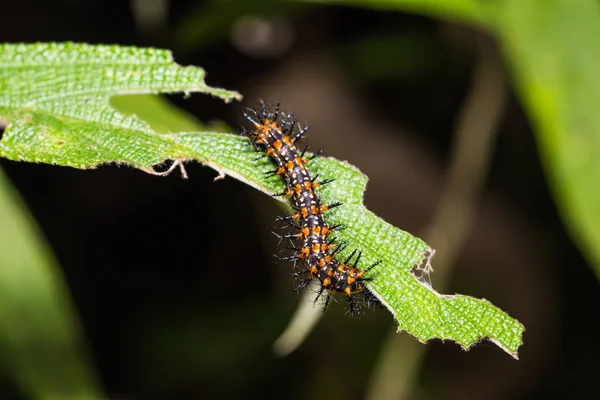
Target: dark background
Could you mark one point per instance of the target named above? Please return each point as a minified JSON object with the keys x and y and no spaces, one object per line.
{"x":174,"y":280}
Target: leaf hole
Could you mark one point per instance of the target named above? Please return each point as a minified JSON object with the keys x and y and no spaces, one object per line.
{"x":422,"y":271}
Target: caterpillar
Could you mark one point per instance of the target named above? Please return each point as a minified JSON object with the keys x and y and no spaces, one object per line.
{"x":275,"y":134}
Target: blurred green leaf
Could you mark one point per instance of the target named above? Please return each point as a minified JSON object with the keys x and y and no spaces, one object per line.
{"x":72,"y":132}
{"x":161,"y":115}
{"x":40,"y":334}
{"x":553,"y":48}
{"x":468,"y":11}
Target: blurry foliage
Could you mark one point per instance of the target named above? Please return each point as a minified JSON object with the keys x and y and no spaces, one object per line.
{"x":211,"y":22}
{"x":39,"y":332}
{"x":385,"y":56}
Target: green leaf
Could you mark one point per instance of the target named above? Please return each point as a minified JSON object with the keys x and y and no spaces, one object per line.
{"x":55,"y":98}
{"x":40,"y":335}
{"x":416,"y":306}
